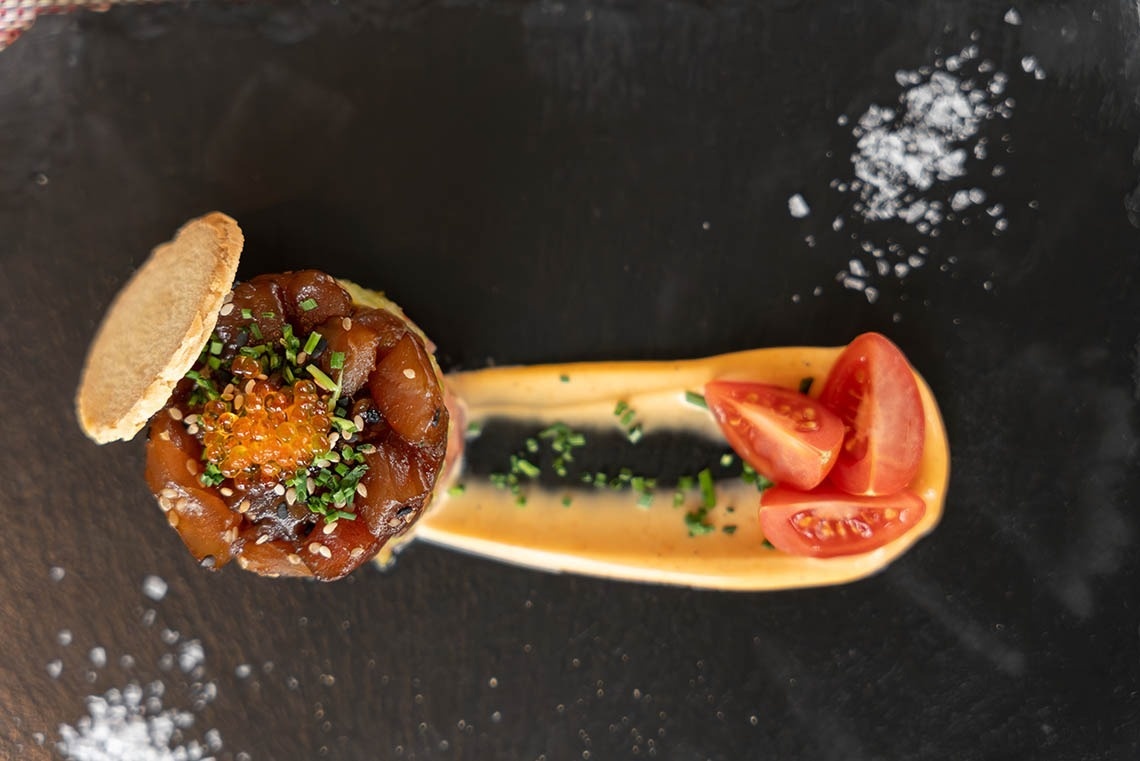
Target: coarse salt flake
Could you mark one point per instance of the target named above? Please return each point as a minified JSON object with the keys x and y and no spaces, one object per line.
{"x":798,"y":207}
{"x":154,"y":587}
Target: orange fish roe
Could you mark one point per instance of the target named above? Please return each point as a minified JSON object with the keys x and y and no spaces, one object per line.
{"x":267,"y":431}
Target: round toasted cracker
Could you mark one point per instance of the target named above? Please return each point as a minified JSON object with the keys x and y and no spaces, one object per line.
{"x":156,"y":327}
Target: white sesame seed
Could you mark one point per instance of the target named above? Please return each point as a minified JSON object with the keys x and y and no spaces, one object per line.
{"x":314,"y":547}
{"x":226,"y":491}
{"x":325,"y":552}
{"x":239,"y":402}
{"x":329,"y":527}
{"x":346,"y":323}
{"x":356,"y":552}
{"x":249,"y":386}
{"x":172,"y":518}
{"x":174,"y":412}
{"x":293,"y":558}
{"x":291,"y":496}
{"x":362,"y":490}
{"x":409,"y":373}
{"x":302,"y":358}
{"x":243,"y":506}
{"x":192,"y":467}
{"x":358,"y":421}
{"x":262,"y":539}
{"x":192,"y":429}
{"x":243,"y":562}
{"x":279,"y":490}
{"x":226,"y":308}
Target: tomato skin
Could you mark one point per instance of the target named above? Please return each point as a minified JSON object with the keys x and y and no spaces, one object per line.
{"x":873,"y":390}
{"x":827,"y":522}
{"x":785,"y":435}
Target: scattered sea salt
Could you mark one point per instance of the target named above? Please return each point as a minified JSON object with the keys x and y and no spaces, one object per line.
{"x":908,"y":173}
{"x":98,"y":657}
{"x":1030,"y":65}
{"x":56,"y":573}
{"x":190,"y":655}
{"x":55,"y":668}
{"x":154,"y":587}
{"x":64,"y":637}
{"x":1012,"y":17}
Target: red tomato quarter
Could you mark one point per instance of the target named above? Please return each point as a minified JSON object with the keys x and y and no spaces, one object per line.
{"x":826,"y":522}
{"x":874,"y":392}
{"x":785,"y":435}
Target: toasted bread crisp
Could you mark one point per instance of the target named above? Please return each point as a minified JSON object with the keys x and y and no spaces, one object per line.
{"x":156,"y":327}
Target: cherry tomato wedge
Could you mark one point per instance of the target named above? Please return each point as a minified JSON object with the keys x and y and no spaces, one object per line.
{"x":785,"y":435}
{"x":827,"y":522}
{"x":873,"y":390}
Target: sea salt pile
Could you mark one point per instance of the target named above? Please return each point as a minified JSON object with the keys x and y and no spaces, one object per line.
{"x":132,"y":723}
{"x":920,"y":163}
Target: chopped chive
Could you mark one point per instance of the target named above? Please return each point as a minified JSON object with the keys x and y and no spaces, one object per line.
{"x":268,"y":315}
{"x":628,"y":417}
{"x":620,"y":408}
{"x":729,"y":529}
{"x":311,"y":342}
{"x":342,"y":515}
{"x":637,"y":483}
{"x":215,"y":347}
{"x":456,"y":490}
{"x":708,"y":490}
{"x":695,"y":399}
{"x":247,"y":314}
{"x":520,"y":500}
{"x":767,"y":544}
{"x":309,"y":304}
{"x":255,"y":331}
{"x":697,"y":525}
{"x":564,"y":378}
{"x":322,"y":380}
{"x":474,"y":428}
{"x":527,"y":468}
{"x":685,"y":482}
{"x":532,"y":445}
{"x":645,"y":499}
{"x":635,"y":434}
{"x":805,"y":384}
{"x":336,"y":360}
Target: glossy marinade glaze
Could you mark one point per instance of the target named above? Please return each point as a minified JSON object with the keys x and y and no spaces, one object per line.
{"x":311,"y":431}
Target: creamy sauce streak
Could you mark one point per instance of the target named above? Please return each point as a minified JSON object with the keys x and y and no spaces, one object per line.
{"x":606,"y":533}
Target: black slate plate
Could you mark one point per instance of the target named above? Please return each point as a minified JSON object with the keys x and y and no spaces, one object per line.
{"x":562,"y":181}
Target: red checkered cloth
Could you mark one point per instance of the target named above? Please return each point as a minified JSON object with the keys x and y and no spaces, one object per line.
{"x":16,"y":16}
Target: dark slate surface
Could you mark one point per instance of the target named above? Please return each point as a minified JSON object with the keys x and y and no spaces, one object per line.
{"x":531,"y":182}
